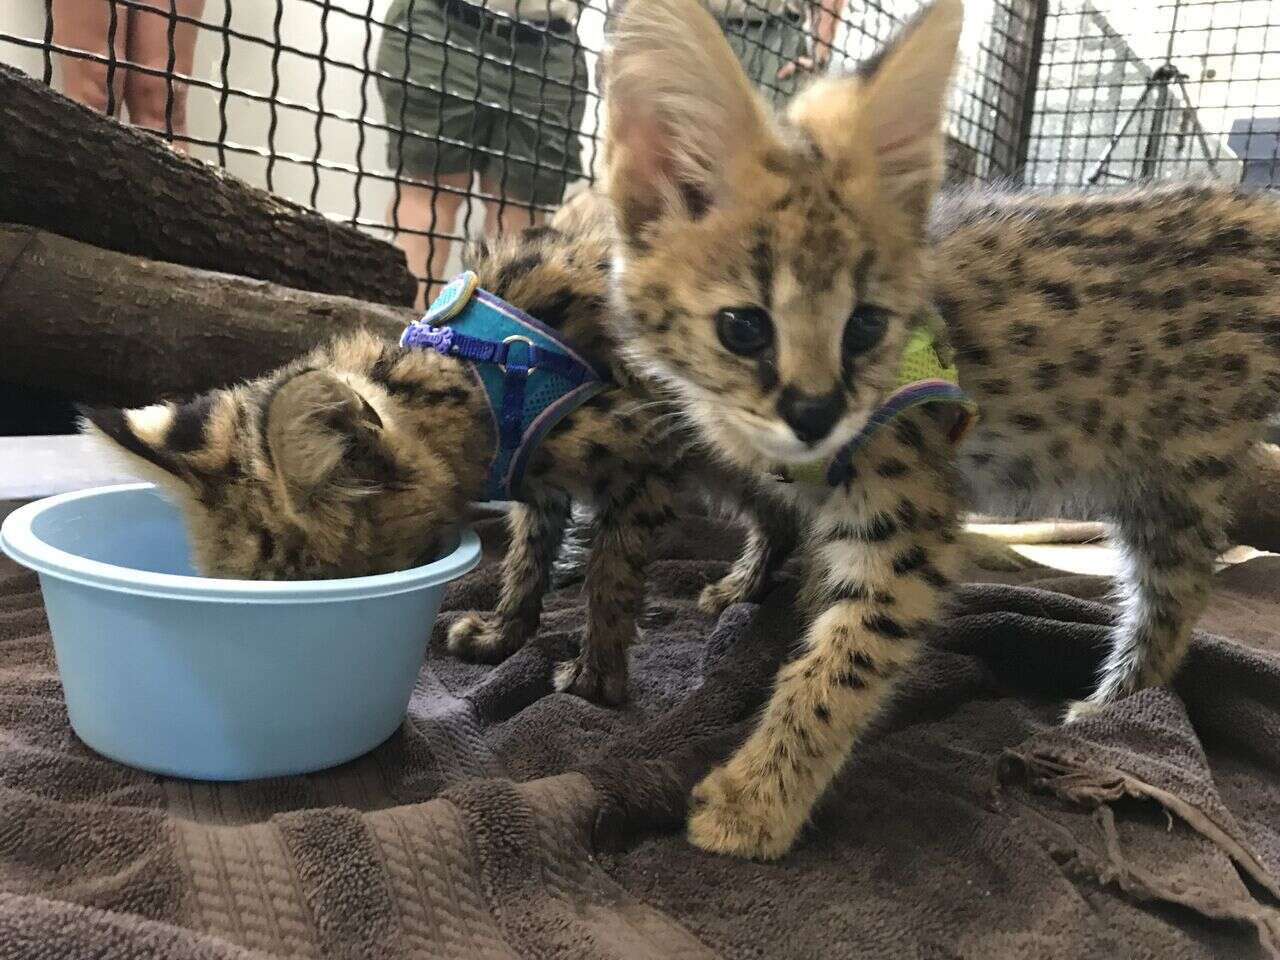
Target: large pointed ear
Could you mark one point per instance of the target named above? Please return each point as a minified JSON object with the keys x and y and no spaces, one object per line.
{"x":325,"y":440}
{"x":681,"y":114}
{"x":888,"y":117}
{"x":154,"y":442}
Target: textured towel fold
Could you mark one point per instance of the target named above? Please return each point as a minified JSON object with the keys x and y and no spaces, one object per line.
{"x":506,"y":821}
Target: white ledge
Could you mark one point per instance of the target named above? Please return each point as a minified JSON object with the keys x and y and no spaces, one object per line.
{"x":32,"y":467}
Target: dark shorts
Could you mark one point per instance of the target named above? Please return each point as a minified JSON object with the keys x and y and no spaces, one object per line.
{"x":764,"y":47}
{"x":456,"y":106}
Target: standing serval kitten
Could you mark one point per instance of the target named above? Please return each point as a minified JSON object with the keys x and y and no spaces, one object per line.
{"x":353,"y":460}
{"x":1124,"y":351}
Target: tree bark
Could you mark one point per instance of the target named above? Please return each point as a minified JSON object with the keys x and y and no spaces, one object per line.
{"x":107,"y":327}
{"x":72,"y":171}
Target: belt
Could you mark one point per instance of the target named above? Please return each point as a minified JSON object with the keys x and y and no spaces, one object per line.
{"x":503,"y":27}
{"x":737,"y":23}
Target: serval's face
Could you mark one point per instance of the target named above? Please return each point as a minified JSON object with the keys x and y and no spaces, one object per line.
{"x":769,"y":266}
{"x":319,"y":470}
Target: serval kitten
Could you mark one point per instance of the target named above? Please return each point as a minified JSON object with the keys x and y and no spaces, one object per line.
{"x":354,"y":460}
{"x":1124,"y":351}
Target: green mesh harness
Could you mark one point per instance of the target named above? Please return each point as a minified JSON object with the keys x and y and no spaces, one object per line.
{"x":926,"y":374}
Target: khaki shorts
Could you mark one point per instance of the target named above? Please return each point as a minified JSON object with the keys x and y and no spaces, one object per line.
{"x":764,"y":47}
{"x":464,"y":110}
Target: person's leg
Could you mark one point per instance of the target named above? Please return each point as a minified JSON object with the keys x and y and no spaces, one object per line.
{"x":506,"y":215}
{"x":424,"y":218}
{"x":86,"y":25}
{"x":537,"y":138}
{"x":430,"y":97}
{"x":147,"y":94}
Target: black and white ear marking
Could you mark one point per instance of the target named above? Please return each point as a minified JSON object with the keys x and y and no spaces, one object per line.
{"x":141,"y":432}
{"x":162,"y":436}
{"x":187,"y":430}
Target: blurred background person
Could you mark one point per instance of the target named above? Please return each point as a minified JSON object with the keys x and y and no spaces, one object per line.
{"x":141,"y":37}
{"x":497,"y":91}
{"x":778,"y":42}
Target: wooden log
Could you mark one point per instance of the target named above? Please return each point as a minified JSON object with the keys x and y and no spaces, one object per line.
{"x":75,"y":172}
{"x":106,"y":327}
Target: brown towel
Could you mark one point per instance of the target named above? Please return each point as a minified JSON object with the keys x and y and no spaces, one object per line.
{"x":505,"y":821}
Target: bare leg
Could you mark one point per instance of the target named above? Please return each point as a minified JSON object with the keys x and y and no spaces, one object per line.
{"x":425,"y":210}
{"x":506,"y":217}
{"x":148,"y":94}
{"x":86,"y":25}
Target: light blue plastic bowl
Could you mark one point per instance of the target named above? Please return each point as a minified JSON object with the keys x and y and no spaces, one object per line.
{"x":219,"y":679}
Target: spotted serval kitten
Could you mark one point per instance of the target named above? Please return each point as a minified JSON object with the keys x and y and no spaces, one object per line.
{"x":1124,"y":351}
{"x":354,"y":459}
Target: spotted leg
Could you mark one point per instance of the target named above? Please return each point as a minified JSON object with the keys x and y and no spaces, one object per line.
{"x":536,"y":530}
{"x":771,"y":538}
{"x":1168,"y":541}
{"x":882,"y":553}
{"x":619,"y":552}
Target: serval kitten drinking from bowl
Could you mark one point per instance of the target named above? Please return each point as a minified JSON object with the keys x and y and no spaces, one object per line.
{"x":783,"y":274}
{"x":354,"y":460}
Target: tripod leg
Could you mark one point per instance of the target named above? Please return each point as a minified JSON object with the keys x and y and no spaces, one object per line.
{"x":1209,"y":157}
{"x":1151,"y":156}
{"x":1116,"y":137}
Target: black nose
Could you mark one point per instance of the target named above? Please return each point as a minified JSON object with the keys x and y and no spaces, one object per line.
{"x":810,"y":417}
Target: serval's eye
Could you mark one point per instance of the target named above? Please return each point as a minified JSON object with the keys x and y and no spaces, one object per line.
{"x":864,"y":329}
{"x":745,"y":331}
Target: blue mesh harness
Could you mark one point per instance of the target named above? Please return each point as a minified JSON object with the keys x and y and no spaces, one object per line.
{"x":531,"y":377}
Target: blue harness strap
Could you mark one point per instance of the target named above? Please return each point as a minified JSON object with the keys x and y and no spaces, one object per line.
{"x":531,"y":377}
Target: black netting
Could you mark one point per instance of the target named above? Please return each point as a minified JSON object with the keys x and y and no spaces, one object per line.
{"x":428,"y":120}
{"x":1159,"y":90}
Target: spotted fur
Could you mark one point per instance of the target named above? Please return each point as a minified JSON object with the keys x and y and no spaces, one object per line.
{"x":1124,"y":350}
{"x":355,"y":459}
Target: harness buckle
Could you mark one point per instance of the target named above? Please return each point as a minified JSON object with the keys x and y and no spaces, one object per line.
{"x":516,"y":338}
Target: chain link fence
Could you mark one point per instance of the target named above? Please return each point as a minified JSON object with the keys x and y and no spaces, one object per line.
{"x":425,"y":121}
{"x":1161,"y":90}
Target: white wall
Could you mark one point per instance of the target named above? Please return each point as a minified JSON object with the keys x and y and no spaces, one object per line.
{"x":22,"y":18}
{"x":1213,"y":44}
